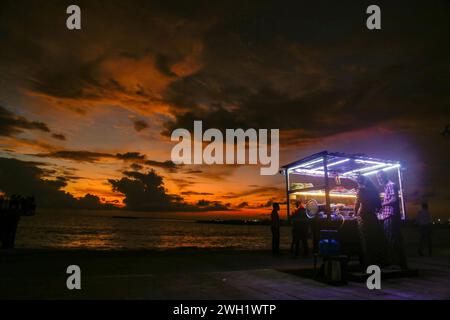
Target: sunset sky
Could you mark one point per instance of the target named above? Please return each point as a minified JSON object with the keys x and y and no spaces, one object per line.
{"x":88,"y":113}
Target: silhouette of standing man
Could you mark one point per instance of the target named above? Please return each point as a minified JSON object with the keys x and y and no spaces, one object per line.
{"x":299,"y":230}
{"x":425,"y":224}
{"x":275,"y":227}
{"x":9,"y":220}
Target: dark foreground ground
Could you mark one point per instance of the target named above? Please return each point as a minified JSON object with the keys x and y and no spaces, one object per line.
{"x":198,"y":274}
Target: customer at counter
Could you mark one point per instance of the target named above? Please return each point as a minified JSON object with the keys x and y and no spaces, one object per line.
{"x":373,"y":242}
{"x":390,"y":216}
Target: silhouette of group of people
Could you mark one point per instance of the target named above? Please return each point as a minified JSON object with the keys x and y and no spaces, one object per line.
{"x":17,"y":203}
{"x":378,"y":221}
{"x":11,"y":209}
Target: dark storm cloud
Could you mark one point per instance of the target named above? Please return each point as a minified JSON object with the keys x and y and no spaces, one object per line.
{"x":194,"y":193}
{"x":142,"y":159}
{"x":70,"y":178}
{"x":163,"y":65}
{"x":27,"y":179}
{"x":143,"y":191}
{"x":136,"y":167}
{"x":59,"y":136}
{"x":340,"y":108}
{"x":268,"y":203}
{"x":76,"y":155}
{"x":194,"y":171}
{"x":130,"y":156}
{"x":168,"y":164}
{"x":211,"y":205}
{"x":76,"y":66}
{"x":90,"y":156}
{"x":183,"y":182}
{"x":146,"y":192}
{"x":214,"y":173}
{"x":245,"y":204}
{"x":262,"y":191}
{"x":139,"y":124}
{"x":300,"y":53}
{"x":12,"y":124}
{"x":316,"y":64}
{"x":274,"y":66}
{"x":242,"y":205}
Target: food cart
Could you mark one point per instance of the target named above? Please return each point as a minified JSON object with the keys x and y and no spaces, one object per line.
{"x":325,"y":182}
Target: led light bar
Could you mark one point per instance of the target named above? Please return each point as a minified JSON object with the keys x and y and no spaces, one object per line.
{"x":319,"y":171}
{"x":370,"y":161}
{"x":322,"y":194}
{"x":310,"y":172}
{"x":384,"y":169}
{"x":332,"y":164}
{"x":360,"y":170}
{"x":303,"y":165}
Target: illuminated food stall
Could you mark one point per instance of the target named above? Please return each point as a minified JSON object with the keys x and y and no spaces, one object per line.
{"x":325,"y":182}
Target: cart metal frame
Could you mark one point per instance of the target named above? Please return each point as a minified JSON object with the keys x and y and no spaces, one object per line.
{"x":348,"y":166}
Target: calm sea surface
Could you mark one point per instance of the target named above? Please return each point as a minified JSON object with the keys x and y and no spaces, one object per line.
{"x":120,"y":230}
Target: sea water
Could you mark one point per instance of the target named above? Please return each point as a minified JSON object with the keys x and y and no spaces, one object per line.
{"x":122,"y":230}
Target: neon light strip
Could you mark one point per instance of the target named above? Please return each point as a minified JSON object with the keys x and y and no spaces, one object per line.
{"x":385,"y":169}
{"x":311,"y":172}
{"x":321,"y":193}
{"x":371,"y":170}
{"x":308,"y":163}
{"x":370,"y":162}
{"x":332,"y":164}
{"x":378,"y":166}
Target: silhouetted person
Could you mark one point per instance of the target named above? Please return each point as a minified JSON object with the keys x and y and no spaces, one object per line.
{"x":9,"y":219}
{"x":11,"y":209}
{"x":299,"y":222}
{"x":390,"y":215}
{"x":275,"y":227}
{"x":425,"y":224}
{"x":373,"y":242}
